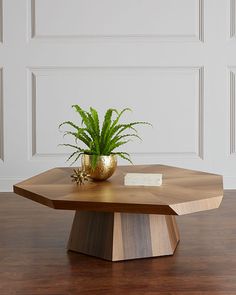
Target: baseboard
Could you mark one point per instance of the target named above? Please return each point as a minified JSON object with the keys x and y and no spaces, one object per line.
{"x":6,"y":184}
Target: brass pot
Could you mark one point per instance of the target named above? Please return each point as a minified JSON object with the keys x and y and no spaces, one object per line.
{"x":106,"y":166}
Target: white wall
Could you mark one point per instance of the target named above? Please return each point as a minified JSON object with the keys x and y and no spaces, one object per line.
{"x":173,"y":62}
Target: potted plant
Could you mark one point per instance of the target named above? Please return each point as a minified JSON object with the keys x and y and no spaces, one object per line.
{"x":99,"y":156}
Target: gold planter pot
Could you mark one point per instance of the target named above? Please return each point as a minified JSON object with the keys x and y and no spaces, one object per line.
{"x":106,"y":166}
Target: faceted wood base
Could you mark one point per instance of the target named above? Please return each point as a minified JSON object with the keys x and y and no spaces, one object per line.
{"x":120,"y":236}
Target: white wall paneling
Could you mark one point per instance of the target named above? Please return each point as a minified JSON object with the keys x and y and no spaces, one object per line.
{"x":160,"y":19}
{"x":1,"y":21}
{"x":173,"y":62}
{"x":230,"y":157}
{"x":1,"y":118}
{"x":232,"y":18}
{"x":120,"y":87}
{"x":232,"y":112}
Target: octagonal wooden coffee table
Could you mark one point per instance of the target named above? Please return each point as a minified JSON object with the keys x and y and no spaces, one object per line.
{"x":118,"y":222}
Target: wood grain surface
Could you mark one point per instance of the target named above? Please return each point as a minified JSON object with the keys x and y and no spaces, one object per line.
{"x":92,"y":234}
{"x":123,"y":236}
{"x":183,"y":191}
{"x":33,"y":260}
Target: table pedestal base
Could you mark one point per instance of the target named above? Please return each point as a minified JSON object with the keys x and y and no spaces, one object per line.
{"x":120,"y":236}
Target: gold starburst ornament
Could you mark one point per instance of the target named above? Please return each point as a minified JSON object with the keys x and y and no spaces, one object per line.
{"x":80,"y":176}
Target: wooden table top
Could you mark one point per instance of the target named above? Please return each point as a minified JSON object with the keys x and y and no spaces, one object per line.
{"x":183,"y":191}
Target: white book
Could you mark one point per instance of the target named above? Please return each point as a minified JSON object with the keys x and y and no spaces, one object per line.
{"x":145,"y":179}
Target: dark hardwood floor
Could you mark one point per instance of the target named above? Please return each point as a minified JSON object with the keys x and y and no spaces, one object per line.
{"x":33,"y":259}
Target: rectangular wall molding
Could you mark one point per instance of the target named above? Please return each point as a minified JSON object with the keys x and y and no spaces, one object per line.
{"x":201,"y":113}
{"x":232,"y":19}
{"x":35,"y":75}
{"x":83,"y":27}
{"x":201,"y":21}
{"x":1,"y":21}
{"x":1,"y":117}
{"x":232,"y":113}
{"x":171,"y":61}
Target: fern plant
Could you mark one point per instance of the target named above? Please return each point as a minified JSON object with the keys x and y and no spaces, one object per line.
{"x":100,"y":140}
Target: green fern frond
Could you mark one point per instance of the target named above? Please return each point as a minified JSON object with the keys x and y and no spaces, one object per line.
{"x":71,"y":156}
{"x":80,"y":137}
{"x":130,"y":126}
{"x":76,"y":159}
{"x":119,"y":116}
{"x":71,"y":145}
{"x":124,"y":156}
{"x":100,"y":140}
{"x":70,"y":124}
{"x":95,"y":117}
{"x":106,"y":126}
{"x":116,"y":145}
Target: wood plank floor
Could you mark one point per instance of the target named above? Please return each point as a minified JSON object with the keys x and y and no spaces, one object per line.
{"x":33,"y":259}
